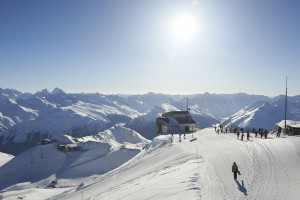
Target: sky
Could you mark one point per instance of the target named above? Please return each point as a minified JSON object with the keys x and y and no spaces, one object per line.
{"x":162,"y":46}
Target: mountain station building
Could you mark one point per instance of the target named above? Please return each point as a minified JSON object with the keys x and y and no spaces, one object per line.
{"x":174,"y":122}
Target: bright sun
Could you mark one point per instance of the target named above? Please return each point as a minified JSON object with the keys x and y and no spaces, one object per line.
{"x":184,"y":28}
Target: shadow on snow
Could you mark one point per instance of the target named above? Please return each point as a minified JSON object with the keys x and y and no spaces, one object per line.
{"x":241,"y":187}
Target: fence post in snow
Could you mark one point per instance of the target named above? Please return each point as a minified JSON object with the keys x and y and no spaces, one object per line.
{"x":42,"y":155}
{"x":197,"y":153}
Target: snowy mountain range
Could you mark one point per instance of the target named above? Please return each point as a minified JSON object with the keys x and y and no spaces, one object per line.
{"x":26,"y":119}
{"x":115,"y":160}
{"x":265,"y":114}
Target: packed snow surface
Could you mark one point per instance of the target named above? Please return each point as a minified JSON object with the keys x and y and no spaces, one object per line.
{"x":169,"y":169}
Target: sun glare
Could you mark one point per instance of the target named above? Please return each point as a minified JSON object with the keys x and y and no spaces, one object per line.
{"x":184,"y":28}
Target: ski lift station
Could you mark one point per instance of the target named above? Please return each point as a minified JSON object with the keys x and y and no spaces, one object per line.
{"x":175,"y":121}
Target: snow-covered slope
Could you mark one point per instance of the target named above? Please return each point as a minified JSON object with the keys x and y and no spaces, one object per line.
{"x":6,"y":94}
{"x":28,"y":134}
{"x":223,"y":105}
{"x":4,"y":158}
{"x":102,"y":111}
{"x":17,"y":113}
{"x":168,"y":169}
{"x":266,"y":114}
{"x":96,"y":155}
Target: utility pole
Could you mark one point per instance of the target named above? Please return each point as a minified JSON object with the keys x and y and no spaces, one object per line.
{"x":31,"y":156}
{"x":285,"y":112}
{"x":42,"y":155}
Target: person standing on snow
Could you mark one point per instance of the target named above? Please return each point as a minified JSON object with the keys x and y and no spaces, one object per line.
{"x":278,"y":132}
{"x":235,"y":170}
{"x":248,"y":135}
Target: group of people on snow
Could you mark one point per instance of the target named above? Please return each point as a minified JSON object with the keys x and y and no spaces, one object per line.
{"x":221,"y":129}
{"x":262,"y":132}
{"x":240,"y":132}
{"x":242,"y":135}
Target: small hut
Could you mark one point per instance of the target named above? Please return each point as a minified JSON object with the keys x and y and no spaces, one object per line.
{"x":68,"y":147}
{"x":46,"y":141}
{"x":293,"y":127}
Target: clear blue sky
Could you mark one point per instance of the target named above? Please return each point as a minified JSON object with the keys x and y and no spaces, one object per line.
{"x":129,"y":46}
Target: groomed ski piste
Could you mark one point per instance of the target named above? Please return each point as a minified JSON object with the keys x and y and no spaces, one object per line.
{"x":164,"y":169}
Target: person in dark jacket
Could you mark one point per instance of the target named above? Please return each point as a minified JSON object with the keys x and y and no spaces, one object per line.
{"x":235,"y":170}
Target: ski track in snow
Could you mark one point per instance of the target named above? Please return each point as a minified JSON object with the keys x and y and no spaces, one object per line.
{"x":144,"y":181}
{"x":268,"y":169}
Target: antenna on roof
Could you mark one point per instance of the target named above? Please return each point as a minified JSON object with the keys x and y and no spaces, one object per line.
{"x":187,"y":103}
{"x":285,"y":112}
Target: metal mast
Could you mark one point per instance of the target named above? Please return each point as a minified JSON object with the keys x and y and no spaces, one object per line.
{"x":285,"y":111}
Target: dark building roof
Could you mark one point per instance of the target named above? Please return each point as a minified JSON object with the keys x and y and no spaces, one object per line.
{"x":186,"y":120}
{"x":176,"y":112}
{"x":164,"y":119}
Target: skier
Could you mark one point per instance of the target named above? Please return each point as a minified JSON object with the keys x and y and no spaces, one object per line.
{"x":248,"y":135}
{"x":235,"y":170}
{"x":242,"y":130}
{"x":278,"y":132}
{"x":242,"y":136}
{"x":238,"y":134}
{"x":266,"y":133}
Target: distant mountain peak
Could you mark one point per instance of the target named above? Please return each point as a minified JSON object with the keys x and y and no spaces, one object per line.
{"x":43,"y":92}
{"x":10,"y":92}
{"x":57,"y":91}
